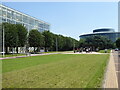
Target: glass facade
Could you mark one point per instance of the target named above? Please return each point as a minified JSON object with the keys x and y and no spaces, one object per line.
{"x":110,"y":35}
{"x":15,"y":17}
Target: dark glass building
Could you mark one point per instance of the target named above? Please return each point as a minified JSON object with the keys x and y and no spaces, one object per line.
{"x":107,"y":32}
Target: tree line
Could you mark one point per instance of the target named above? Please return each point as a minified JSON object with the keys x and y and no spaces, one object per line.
{"x":96,"y":42}
{"x":16,"y":35}
{"x":118,"y":43}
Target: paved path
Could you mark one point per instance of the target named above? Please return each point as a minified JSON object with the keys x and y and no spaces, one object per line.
{"x":50,"y":54}
{"x":28,"y":55}
{"x":111,"y":80}
{"x":116,"y":55}
{"x":83,"y":53}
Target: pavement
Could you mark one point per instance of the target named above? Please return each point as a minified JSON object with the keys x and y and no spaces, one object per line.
{"x":28,"y":55}
{"x":50,"y":54}
{"x":111,"y":76}
{"x":116,"y":55}
{"x":83,"y":53}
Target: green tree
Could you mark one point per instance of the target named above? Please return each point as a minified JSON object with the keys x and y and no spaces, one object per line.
{"x":118,"y":42}
{"x":81,"y":42}
{"x":35,"y":39}
{"x":96,"y":41}
{"x":11,"y":36}
{"x":60,"y":40}
{"x":54,"y":42}
{"x":48,"y":40}
{"x":22,"y":35}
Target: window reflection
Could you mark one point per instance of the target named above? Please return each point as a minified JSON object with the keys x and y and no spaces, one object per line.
{"x":15,"y":17}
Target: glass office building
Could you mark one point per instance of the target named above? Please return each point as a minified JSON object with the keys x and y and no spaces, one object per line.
{"x":106,"y":32}
{"x":16,"y":17}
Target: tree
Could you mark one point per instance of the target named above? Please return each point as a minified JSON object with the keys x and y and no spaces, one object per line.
{"x":54,"y":42}
{"x":35,"y":39}
{"x":63,"y":43}
{"x":81,"y":42}
{"x":48,"y":40}
{"x":95,"y":42}
{"x":11,"y":36}
{"x":118,"y":42}
{"x":60,"y":40}
{"x":22,"y":35}
{"x":69,"y":43}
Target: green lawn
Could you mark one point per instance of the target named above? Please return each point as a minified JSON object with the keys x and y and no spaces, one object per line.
{"x":103,"y":51}
{"x":54,"y":71}
{"x":58,"y":52}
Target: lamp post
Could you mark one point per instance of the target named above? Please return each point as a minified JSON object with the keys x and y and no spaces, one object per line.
{"x":3,"y":42}
{"x":56,"y":45}
{"x":74,"y":46}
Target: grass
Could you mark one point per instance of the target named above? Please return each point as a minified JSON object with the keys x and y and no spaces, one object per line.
{"x":13,"y":55}
{"x":103,"y":51}
{"x":52,"y":52}
{"x":54,"y":71}
{"x":57,"y":51}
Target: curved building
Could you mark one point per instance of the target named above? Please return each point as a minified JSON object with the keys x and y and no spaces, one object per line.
{"x":107,"y":32}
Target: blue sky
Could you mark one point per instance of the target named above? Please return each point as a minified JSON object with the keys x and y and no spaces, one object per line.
{"x":71,"y":18}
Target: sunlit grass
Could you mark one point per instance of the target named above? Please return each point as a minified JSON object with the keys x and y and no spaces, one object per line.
{"x":54,"y":71}
{"x":103,"y":51}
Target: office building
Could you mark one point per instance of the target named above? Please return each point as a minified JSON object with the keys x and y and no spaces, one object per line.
{"x":16,"y":17}
{"x":13,"y":16}
{"x":106,"y":32}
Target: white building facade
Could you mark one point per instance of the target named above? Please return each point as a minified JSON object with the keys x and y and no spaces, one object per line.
{"x":16,"y":17}
{"x":13,"y":16}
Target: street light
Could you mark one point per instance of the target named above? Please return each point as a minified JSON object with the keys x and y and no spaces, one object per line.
{"x":3,"y":42}
{"x":56,"y":45}
{"x":74,"y":46}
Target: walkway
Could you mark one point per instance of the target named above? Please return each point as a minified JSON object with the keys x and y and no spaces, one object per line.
{"x":110,"y":80}
{"x":69,"y":52}
{"x":28,"y":55}
{"x":83,"y":53}
{"x":116,"y":55}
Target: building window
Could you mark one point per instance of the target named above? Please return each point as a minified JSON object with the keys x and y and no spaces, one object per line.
{"x":13,"y":22}
{"x":9,"y":14}
{"x":0,"y":20}
{"x":25,"y":19}
{"x":36,"y":23}
{"x":4,"y":12}
{"x":18,"y":17}
{"x":31,"y":21}
{"x":13,"y":15}
{"x":3,"y":19}
{"x":18,"y":23}
{"x":41,"y":25}
{"x":0,"y":11}
{"x":9,"y":21}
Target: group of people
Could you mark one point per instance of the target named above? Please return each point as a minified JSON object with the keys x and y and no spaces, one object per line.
{"x":80,"y":50}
